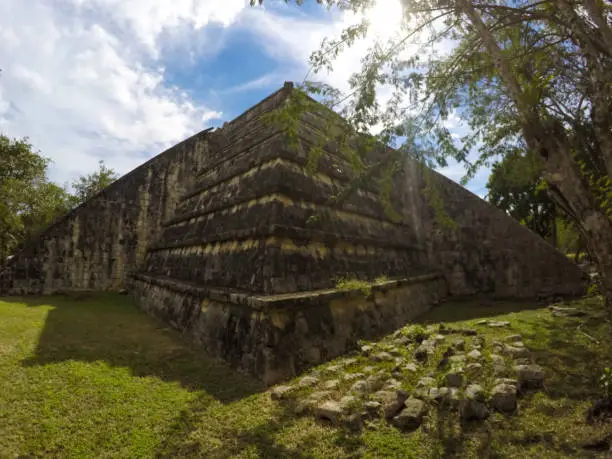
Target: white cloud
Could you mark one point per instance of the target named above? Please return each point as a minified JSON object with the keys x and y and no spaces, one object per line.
{"x":147,"y":19}
{"x":81,"y":92}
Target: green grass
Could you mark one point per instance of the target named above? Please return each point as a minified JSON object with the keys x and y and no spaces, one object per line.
{"x":92,"y":376}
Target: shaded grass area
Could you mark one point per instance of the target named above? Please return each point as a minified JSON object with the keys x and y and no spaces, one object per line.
{"x":92,"y":376}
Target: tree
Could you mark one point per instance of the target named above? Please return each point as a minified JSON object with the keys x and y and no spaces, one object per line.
{"x":515,"y":186}
{"x":28,"y":201}
{"x":522,"y":72}
{"x":86,"y":186}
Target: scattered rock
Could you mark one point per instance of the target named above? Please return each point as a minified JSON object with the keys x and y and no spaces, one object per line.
{"x":329,"y":411}
{"x":423,"y":352}
{"x":482,"y":322}
{"x":458,"y":359}
{"x":360,"y":387}
{"x":474,"y":369}
{"x":402,"y":341}
{"x":372,"y":407}
{"x":348,"y":403}
{"x":411,"y":367}
{"x":503,"y":398}
{"x":459,"y":345}
{"x":499,"y":324}
{"x":423,"y":386}
{"x":376,"y":381}
{"x":510,"y":381}
{"x":369,"y":369}
{"x":458,"y":331}
{"x":392,"y":401}
{"x":353,"y":421}
{"x":513,"y":338}
{"x":454,"y":379}
{"x":332,"y":384}
{"x":475,"y":392}
{"x":437,"y":394}
{"x":353,"y":376}
{"x":311,"y":401}
{"x":474,"y":355}
{"x":530,"y":376}
{"x":382,"y":357}
{"x":426,"y":381}
{"x":280,"y":392}
{"x":411,"y":417}
{"x":473,"y":407}
{"x":319,"y":395}
{"x":436,"y":339}
{"x":566,"y":312}
{"x":479,"y":340}
{"x":516,"y":351}
{"x":308,"y":381}
{"x":395,"y":352}
{"x":332,"y":368}
{"x":347,"y":362}
{"x":367,"y":349}
{"x":392,"y":384}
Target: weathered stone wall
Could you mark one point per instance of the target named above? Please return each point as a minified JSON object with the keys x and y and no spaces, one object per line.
{"x":278,"y":337}
{"x":100,"y":243}
{"x":486,"y":252}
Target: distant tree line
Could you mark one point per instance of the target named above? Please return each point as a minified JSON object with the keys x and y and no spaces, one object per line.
{"x":516,"y":186}
{"x":29,"y":201}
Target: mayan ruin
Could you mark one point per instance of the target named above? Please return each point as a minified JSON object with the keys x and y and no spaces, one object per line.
{"x":213,"y":236}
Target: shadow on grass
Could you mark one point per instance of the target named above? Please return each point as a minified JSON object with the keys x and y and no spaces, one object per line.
{"x":577,"y":357}
{"x":110,"y":328}
{"x":457,"y":310}
{"x":259,"y":438}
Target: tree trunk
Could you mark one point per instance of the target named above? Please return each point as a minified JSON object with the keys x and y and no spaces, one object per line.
{"x":575,"y":197}
{"x":560,"y":170}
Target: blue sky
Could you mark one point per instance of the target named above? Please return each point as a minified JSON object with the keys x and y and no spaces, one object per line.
{"x":121,"y":80}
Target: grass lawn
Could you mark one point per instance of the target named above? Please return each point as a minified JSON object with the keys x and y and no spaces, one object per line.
{"x":92,"y":376}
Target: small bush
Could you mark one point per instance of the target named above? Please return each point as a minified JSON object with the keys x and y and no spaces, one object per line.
{"x":354,"y":284}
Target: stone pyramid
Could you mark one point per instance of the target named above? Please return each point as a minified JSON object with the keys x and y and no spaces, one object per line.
{"x":231,"y":239}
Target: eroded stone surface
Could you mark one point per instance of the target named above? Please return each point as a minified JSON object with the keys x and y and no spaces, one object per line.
{"x":332,"y":384}
{"x":530,"y":376}
{"x":281,"y":392}
{"x":308,"y":381}
{"x":411,"y":417}
{"x":329,"y":411}
{"x":391,"y":401}
{"x":454,"y":378}
{"x":503,"y":398}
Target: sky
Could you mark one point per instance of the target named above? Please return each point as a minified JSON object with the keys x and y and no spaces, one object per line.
{"x":122,"y":80}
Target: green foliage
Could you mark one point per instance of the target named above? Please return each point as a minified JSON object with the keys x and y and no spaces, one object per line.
{"x":516,"y":187}
{"x":354,"y":284}
{"x":87,"y":186}
{"x":28,"y":201}
{"x":524,"y":76}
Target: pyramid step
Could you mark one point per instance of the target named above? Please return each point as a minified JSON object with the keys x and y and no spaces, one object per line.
{"x":276,"y":337}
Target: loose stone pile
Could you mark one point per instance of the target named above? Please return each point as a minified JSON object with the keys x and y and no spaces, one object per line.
{"x":404,"y":377}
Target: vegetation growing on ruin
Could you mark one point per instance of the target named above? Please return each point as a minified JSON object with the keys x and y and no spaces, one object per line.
{"x":520,"y":76}
{"x":91,"y":376}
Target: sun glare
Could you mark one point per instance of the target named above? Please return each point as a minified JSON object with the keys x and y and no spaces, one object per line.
{"x":385,"y":18}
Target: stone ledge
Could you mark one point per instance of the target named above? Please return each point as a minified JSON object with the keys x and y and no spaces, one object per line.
{"x":283,"y":300}
{"x":277,"y":337}
{"x":300,"y":234}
